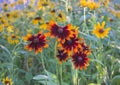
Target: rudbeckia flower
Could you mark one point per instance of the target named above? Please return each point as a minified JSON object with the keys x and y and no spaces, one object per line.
{"x":35,"y":42}
{"x":80,"y":60}
{"x":37,"y":20}
{"x":62,"y":56}
{"x":13,"y":39}
{"x":7,"y":81}
{"x":71,"y":45}
{"x":93,"y":5}
{"x":61,"y":33}
{"x":99,"y":30}
{"x":84,"y":3}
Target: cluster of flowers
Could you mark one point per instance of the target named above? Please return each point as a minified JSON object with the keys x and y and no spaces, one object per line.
{"x":69,"y":44}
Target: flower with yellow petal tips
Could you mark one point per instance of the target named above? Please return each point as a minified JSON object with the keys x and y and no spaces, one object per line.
{"x":13,"y":39}
{"x":7,"y":81}
{"x":83,"y":3}
{"x":99,"y":30}
{"x":93,"y":5}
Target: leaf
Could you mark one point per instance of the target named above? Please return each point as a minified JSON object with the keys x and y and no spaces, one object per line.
{"x":41,"y":77}
{"x":28,"y":76}
{"x":116,"y":80}
{"x":93,"y":84}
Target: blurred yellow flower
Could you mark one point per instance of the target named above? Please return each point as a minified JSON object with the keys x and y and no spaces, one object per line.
{"x":99,"y":30}
{"x":84,"y":3}
{"x":13,"y":39}
{"x":93,"y":5}
{"x":37,"y":20}
{"x":1,"y":28}
{"x":7,"y":81}
{"x":61,"y":17}
{"x":10,"y":29}
{"x":42,"y":4}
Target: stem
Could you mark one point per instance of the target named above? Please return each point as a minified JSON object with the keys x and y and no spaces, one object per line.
{"x":43,"y":64}
{"x":84,"y":15}
{"x":61,"y":74}
{"x":55,"y":53}
{"x":74,"y":75}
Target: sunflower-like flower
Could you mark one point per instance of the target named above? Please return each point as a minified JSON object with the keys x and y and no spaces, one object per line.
{"x":61,"y":33}
{"x":7,"y":81}
{"x":36,"y":42}
{"x":71,"y":45}
{"x":42,"y":4}
{"x":80,"y":60}
{"x":85,"y":48}
{"x":62,"y":56}
{"x":99,"y":30}
{"x":13,"y":39}
{"x":37,"y":20}
{"x":93,"y":5}
{"x":84,"y":3}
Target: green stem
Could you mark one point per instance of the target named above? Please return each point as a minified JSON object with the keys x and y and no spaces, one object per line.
{"x":61,"y":74}
{"x":55,"y":53}
{"x":74,"y":75}
{"x":43,"y":64}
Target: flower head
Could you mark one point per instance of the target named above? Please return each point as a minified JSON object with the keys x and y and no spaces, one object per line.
{"x":36,"y":42}
{"x":61,"y":33}
{"x":13,"y":39}
{"x":93,"y":5}
{"x":7,"y":81}
{"x":71,"y":45}
{"x":62,"y":55}
{"x":84,"y":3}
{"x":80,"y":60}
{"x":99,"y":30}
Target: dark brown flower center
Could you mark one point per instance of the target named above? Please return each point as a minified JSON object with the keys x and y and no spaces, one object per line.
{"x":69,"y":42}
{"x":60,"y":30}
{"x":7,"y":82}
{"x":13,"y":36}
{"x":36,"y":40}
{"x":60,"y":15}
{"x":80,"y":59}
{"x":101,"y":31}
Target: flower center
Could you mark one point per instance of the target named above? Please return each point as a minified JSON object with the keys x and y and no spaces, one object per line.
{"x":101,"y":31}
{"x":80,"y":59}
{"x":69,"y":42}
{"x":36,"y":40}
{"x":60,"y":30}
{"x":13,"y":36}
{"x":60,"y":15}
{"x":7,"y":83}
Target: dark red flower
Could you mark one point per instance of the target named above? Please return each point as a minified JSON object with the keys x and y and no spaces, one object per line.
{"x":62,"y":55}
{"x":72,"y":44}
{"x":80,"y":60}
{"x":85,"y":48}
{"x":36,"y":42}
{"x":61,"y":33}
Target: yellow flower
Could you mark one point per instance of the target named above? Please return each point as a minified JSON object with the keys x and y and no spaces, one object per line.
{"x":10,"y":29}
{"x":42,"y":4}
{"x":99,"y":30}
{"x":7,"y":81}
{"x":13,"y":39}
{"x":5,"y":7}
{"x":83,"y":3}
{"x":61,"y":17}
{"x":44,"y":26}
{"x":37,"y":20}
{"x":93,"y":5}
{"x":1,"y":28}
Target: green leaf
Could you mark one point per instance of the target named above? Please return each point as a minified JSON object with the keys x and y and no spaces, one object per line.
{"x":93,"y":84}
{"x":41,"y":77}
{"x":28,"y":76}
{"x":116,"y":80}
